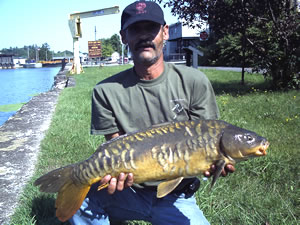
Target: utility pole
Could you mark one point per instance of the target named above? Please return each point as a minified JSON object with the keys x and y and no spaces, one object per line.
{"x":37,"y":55}
{"x":75,"y":28}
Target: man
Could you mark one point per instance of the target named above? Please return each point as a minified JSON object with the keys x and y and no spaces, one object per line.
{"x":151,"y":92}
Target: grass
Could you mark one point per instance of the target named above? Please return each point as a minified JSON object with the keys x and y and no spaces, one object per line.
{"x":261,"y":191}
{"x":11,"y":107}
{"x":14,"y":107}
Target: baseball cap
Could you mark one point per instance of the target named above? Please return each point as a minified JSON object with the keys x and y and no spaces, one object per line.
{"x":142,"y":11}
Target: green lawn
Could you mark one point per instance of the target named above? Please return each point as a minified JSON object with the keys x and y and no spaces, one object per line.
{"x":262,"y":191}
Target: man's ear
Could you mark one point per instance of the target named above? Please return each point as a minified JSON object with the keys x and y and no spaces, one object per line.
{"x":166,"y":32}
{"x":123,"y":36}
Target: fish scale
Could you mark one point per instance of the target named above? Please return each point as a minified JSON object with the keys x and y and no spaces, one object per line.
{"x":167,"y":152}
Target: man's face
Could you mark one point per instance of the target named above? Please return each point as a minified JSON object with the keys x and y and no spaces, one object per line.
{"x":145,"y":40}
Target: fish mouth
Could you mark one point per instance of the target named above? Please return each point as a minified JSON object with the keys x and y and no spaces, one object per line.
{"x":262,"y":149}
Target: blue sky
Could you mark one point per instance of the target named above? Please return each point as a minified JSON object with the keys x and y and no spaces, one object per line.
{"x":28,"y":22}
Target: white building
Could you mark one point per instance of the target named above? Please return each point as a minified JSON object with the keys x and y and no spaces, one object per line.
{"x":115,"y":57}
{"x":19,"y":62}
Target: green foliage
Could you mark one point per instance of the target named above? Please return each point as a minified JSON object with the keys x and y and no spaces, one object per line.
{"x":65,"y":53}
{"x":44,"y":52}
{"x":271,"y":33}
{"x":116,"y":43}
{"x":110,"y":45}
{"x":30,"y":52}
{"x":106,"y":48}
{"x":261,"y":191}
{"x":262,"y":34}
{"x":230,"y":50}
{"x":274,"y":44}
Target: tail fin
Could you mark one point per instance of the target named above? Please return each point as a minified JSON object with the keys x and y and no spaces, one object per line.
{"x":69,"y":199}
{"x":70,"y":195}
{"x":54,"y":180}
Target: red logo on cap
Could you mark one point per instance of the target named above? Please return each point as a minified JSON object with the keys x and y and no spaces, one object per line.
{"x":140,"y":8}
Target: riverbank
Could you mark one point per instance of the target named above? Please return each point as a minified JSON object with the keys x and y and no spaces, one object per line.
{"x":18,"y":86}
{"x":20,"y":139}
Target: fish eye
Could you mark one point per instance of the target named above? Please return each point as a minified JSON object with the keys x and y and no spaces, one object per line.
{"x":249,"y":138}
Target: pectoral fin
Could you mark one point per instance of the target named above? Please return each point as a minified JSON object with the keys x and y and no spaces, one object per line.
{"x":166,"y":187}
{"x":102,"y":186}
{"x":219,"y":167}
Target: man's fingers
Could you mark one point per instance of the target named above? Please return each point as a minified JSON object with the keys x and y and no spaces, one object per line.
{"x":129,"y":180}
{"x":112,"y":185}
{"x":105,"y":179}
{"x":121,"y":180}
{"x":206,"y":174}
{"x":116,"y":184}
{"x":211,"y":171}
{"x":229,"y":168}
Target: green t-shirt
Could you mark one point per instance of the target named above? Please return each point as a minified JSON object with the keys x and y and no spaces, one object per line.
{"x":127,"y":104}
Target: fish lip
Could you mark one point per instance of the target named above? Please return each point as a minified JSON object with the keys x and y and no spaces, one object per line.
{"x":262,"y":150}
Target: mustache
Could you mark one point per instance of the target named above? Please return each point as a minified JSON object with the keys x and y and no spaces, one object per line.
{"x":143,"y":44}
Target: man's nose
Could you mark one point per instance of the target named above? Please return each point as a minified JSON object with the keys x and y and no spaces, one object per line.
{"x":145,"y":35}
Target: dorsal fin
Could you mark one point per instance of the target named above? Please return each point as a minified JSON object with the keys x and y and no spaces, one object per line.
{"x":161,"y":124}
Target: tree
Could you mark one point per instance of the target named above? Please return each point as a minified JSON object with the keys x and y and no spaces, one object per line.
{"x":110,"y":45}
{"x":30,"y":52}
{"x":116,"y":43}
{"x":65,"y":53}
{"x":44,"y":52}
{"x":267,"y":31}
{"x":106,"y":48}
{"x":274,"y":41}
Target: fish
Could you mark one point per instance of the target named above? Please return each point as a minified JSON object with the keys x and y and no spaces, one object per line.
{"x":166,"y":153}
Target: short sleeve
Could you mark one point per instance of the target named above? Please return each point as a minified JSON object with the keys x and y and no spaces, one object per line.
{"x":203,"y":101}
{"x":103,"y":120}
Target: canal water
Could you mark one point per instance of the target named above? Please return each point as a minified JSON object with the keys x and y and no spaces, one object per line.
{"x":20,"y":85}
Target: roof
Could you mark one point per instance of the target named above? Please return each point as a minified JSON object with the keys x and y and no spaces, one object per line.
{"x":6,"y":55}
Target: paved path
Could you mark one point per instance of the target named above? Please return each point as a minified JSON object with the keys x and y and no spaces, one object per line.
{"x":20,"y":139}
{"x":236,"y":69}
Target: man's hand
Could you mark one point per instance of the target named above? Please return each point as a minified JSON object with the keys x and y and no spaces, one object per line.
{"x":117,"y":184}
{"x":227,"y":169}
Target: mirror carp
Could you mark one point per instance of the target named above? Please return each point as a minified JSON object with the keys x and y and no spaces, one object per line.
{"x":167,"y":153}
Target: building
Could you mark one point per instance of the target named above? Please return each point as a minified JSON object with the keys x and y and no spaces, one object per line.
{"x":115,"y":56}
{"x":6,"y":61}
{"x":19,"y":62}
{"x":183,"y":42}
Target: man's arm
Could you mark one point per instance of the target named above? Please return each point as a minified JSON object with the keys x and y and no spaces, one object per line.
{"x":204,"y":106}
{"x":111,"y":136}
{"x":124,"y":180}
